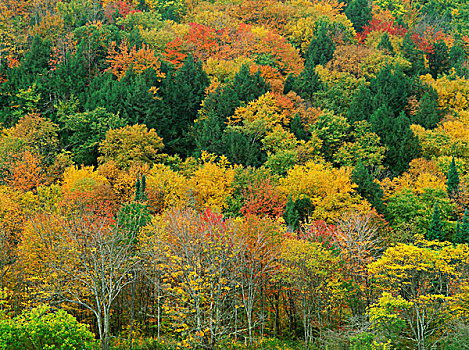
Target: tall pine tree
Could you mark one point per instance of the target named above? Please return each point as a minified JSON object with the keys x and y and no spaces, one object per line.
{"x":435,"y":231}
{"x":367,"y":187}
{"x":452,"y":184}
{"x":359,"y":13}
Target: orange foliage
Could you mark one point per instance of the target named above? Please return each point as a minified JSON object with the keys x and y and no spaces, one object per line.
{"x":26,"y":173}
{"x":122,"y":60}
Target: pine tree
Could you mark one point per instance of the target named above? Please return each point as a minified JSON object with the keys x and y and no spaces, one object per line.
{"x":396,"y":135}
{"x":435,"y":231}
{"x":367,"y":187}
{"x":390,"y":88}
{"x":181,"y":94}
{"x":322,"y":47}
{"x":414,"y":55}
{"x":385,"y":45}
{"x":465,"y":228}
{"x":291,"y":215}
{"x":428,"y":114}
{"x":461,"y":235}
{"x":359,"y":13}
{"x":361,"y":107}
{"x":438,"y":59}
{"x":138,"y":190}
{"x":298,"y":129}
{"x":452,"y":185}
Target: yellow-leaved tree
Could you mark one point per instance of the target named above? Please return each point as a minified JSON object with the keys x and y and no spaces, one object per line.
{"x":330,"y":190}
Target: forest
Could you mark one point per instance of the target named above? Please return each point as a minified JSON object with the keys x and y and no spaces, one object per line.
{"x":229,"y":174}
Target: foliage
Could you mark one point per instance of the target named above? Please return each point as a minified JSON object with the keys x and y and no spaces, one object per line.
{"x":44,"y":328}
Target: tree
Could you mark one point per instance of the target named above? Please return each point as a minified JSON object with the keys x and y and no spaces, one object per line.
{"x":359,"y":13}
{"x":82,"y":132}
{"x":435,"y":231}
{"x":46,"y":328}
{"x":462,"y":231}
{"x":181,"y":93}
{"x":428,"y":114}
{"x":452,"y":184}
{"x":438,"y":59}
{"x":92,"y":259}
{"x":131,"y":144}
{"x":385,"y":45}
{"x":367,"y":187}
{"x":322,"y":47}
{"x":414,"y":55}
{"x":291,"y":215}
{"x":418,"y":285}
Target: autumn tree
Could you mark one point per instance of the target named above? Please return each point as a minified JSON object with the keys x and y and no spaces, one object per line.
{"x":418,"y":285}
{"x":92,"y":258}
{"x":131,"y":144}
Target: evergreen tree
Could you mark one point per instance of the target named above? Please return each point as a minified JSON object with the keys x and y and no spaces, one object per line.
{"x":181,"y":94}
{"x":359,"y":13}
{"x":298,"y":129}
{"x":457,"y":238}
{"x":291,"y":215}
{"x":221,"y":104}
{"x":464,"y":230}
{"x":385,"y":45}
{"x":322,"y":47}
{"x":435,"y":231}
{"x":390,"y":88}
{"x":396,"y":135}
{"x":452,"y":185}
{"x":461,"y":235}
{"x":291,"y":83}
{"x":239,"y":149}
{"x":367,"y":187}
{"x":458,"y":58}
{"x":71,"y":76}
{"x":438,"y":59}
{"x":361,"y":107}
{"x":138,"y":190}
{"x":414,"y":55}
{"x":428,"y":114}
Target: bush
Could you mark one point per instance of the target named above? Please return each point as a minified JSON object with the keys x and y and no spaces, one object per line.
{"x":44,"y":329}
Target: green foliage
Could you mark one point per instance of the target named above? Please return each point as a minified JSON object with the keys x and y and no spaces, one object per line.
{"x":428,"y":114}
{"x":291,"y":215}
{"x":44,"y":329}
{"x":438,"y":59}
{"x":82,"y":132}
{"x":385,"y":45}
{"x":367,"y":187}
{"x":452,"y":184}
{"x":435,"y":231}
{"x":359,"y":13}
{"x":462,"y":231}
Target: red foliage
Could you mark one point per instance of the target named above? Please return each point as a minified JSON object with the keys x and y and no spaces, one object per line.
{"x":212,"y":223}
{"x":262,"y":199}
{"x":174,"y":52}
{"x":377,"y":25}
{"x":119,"y":8}
{"x":319,"y":231}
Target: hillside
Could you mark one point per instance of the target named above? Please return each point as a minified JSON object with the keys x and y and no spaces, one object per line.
{"x":234,"y":174}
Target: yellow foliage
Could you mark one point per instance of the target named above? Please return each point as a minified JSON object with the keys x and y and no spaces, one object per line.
{"x":422,"y":175}
{"x":266,"y":109}
{"x":171,"y":187}
{"x":330,"y":189}
{"x":453,"y":91}
{"x":211,"y":182}
{"x":83,"y":179}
